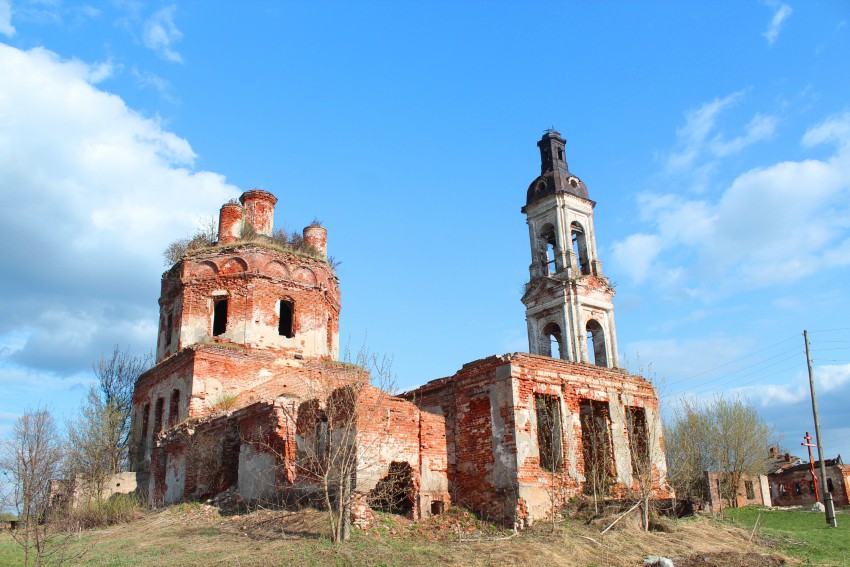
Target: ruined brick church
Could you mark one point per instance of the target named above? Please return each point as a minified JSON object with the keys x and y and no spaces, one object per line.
{"x":246,"y":373}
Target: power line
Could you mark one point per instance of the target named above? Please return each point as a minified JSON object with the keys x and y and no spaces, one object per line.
{"x":736,"y":360}
{"x":739,"y":379}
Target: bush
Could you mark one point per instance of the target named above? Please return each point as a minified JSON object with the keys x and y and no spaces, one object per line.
{"x":225,"y":401}
{"x":118,"y":509}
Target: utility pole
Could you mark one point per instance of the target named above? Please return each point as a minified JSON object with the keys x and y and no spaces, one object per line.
{"x":827,"y":495}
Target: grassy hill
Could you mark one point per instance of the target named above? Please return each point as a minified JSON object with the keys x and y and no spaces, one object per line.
{"x":197,"y":534}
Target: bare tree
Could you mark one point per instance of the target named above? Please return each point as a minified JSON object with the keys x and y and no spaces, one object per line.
{"x":550,"y":447}
{"x":597,"y":450}
{"x":98,"y":437}
{"x":728,"y":436}
{"x":30,"y":458}
{"x":342,"y":437}
{"x":740,"y":437}
{"x":339,"y":426}
{"x":641,"y":432}
{"x":688,"y":450}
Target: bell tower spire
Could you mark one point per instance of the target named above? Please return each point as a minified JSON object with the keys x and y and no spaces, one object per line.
{"x":568,"y":301}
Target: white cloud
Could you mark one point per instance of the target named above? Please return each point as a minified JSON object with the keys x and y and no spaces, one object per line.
{"x":775,"y":26}
{"x":759,"y":128}
{"x":92,"y":193}
{"x":636,"y":253}
{"x":692,"y":136}
{"x":834,"y":129}
{"x":160,"y":32}
{"x":750,"y":236}
{"x":6,"y":27}
{"x":700,"y":143}
{"x":162,"y":86}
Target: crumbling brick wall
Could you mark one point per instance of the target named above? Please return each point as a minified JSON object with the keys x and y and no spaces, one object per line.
{"x":494,"y":462}
{"x":751,"y":490}
{"x":793,"y":487}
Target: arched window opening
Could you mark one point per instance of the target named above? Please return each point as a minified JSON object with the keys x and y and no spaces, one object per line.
{"x":547,"y":247}
{"x":596,"y":343}
{"x":219,"y":317}
{"x":561,"y":154}
{"x":159,"y":409}
{"x":146,"y":416}
{"x":829,"y":485}
{"x":552,"y":341}
{"x":174,"y":408}
{"x":285,"y":327}
{"x":579,"y":242}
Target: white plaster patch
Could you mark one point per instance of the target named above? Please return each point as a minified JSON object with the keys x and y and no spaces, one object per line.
{"x":256,"y":473}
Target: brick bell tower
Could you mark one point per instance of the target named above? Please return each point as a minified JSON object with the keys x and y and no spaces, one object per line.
{"x":568,"y":302}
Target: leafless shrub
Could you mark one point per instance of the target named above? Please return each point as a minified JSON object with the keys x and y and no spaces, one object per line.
{"x":30,"y":458}
{"x":205,"y":236}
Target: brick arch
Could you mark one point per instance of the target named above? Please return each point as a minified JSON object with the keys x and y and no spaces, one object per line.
{"x":276,"y":269}
{"x":233,"y":265}
{"x":304,"y":275}
{"x":205,"y":269}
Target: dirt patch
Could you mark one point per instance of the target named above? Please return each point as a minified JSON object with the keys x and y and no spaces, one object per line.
{"x":277,"y":524}
{"x":730,"y":559}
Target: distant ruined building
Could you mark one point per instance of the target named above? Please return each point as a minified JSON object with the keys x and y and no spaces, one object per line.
{"x":246,"y":373}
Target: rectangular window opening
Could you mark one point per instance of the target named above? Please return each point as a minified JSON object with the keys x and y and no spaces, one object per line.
{"x":285,"y":327}
{"x":638,"y":441}
{"x":219,"y":317}
{"x":549,"y":440}
{"x":748,"y":486}
{"x":596,"y":447}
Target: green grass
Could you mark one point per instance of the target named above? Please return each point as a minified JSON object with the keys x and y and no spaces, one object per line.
{"x":9,"y":551}
{"x":799,"y":533}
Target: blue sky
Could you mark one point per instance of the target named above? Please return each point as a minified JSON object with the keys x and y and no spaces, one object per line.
{"x":714,"y":136}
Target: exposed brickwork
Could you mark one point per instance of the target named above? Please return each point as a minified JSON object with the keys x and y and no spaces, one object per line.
{"x":751,"y":490}
{"x":492,"y":431}
{"x":245,"y":392}
{"x":793,"y":486}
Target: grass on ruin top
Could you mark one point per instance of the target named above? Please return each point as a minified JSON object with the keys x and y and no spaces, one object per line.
{"x":304,"y":252}
{"x":798,"y":532}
